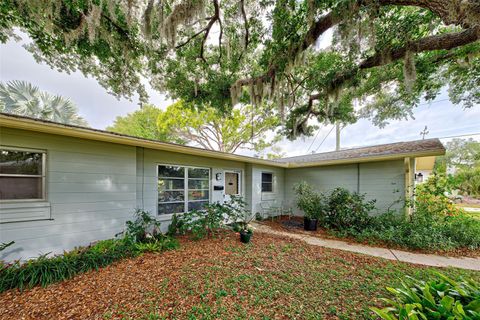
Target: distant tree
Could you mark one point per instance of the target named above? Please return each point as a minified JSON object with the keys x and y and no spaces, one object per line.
{"x":24,"y":99}
{"x":245,"y":127}
{"x":274,"y":152}
{"x":143,"y":123}
{"x":462,"y":153}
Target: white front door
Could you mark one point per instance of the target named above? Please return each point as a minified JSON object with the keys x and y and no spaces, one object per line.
{"x":232,"y":186}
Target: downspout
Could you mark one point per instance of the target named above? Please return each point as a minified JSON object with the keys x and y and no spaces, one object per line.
{"x":358,"y":177}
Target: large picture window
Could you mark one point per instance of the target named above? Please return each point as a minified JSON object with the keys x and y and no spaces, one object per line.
{"x":22,"y":174}
{"x":182,"y":189}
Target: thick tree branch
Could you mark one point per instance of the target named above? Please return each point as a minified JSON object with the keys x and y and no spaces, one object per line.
{"x":437,"y":42}
{"x":245,"y":23}
{"x":216,"y":17}
{"x":448,"y":12}
{"x":206,"y":31}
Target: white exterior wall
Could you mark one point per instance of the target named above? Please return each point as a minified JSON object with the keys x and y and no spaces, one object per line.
{"x":91,"y":192}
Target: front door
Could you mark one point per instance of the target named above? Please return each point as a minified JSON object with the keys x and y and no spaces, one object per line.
{"x":232,"y":184}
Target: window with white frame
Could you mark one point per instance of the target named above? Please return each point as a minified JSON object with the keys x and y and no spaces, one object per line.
{"x":182,"y":189}
{"x":267,"y":182}
{"x":22,"y":174}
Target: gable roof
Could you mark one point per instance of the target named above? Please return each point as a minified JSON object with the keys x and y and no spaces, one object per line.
{"x":420,"y":148}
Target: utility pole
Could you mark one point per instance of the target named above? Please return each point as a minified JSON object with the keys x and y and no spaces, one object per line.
{"x":424,"y":133}
{"x":337,"y":139}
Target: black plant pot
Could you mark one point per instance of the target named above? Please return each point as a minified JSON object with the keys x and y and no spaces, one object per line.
{"x":245,"y":236}
{"x":310,"y":224}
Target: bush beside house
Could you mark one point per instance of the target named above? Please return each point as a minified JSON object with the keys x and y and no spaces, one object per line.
{"x":436,"y":223}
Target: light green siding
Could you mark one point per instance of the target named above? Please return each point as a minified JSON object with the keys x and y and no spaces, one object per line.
{"x":93,"y":187}
{"x":91,"y":192}
{"x":147,"y":175}
{"x":383,"y":181}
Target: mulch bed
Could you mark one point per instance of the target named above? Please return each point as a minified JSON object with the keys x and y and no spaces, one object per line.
{"x":295,"y":224}
{"x":220,"y":278}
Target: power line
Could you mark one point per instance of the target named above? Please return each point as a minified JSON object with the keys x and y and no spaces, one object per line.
{"x":313,"y":141}
{"x":460,"y":135}
{"x":325,"y":138}
{"x":421,"y":104}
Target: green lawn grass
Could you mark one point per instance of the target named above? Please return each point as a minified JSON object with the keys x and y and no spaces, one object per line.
{"x":271,"y":278}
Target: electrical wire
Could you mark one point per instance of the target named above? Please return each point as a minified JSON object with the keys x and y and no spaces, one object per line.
{"x":325,"y":138}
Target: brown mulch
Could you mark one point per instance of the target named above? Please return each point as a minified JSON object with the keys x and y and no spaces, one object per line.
{"x":273,"y":277}
{"x":284,"y":223}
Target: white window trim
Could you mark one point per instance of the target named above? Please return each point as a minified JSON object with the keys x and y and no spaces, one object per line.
{"x":167,"y":216}
{"x":273,"y":182}
{"x":43,"y":175}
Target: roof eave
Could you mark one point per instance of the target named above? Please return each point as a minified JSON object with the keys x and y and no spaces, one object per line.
{"x":84,"y":133}
{"x":398,"y":156}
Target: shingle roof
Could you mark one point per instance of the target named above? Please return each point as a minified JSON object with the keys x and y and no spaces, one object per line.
{"x":398,"y":148}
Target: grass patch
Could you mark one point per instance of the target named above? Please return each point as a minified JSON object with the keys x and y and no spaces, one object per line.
{"x":221,"y":278}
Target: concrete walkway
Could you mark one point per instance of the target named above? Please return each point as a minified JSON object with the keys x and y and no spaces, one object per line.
{"x":398,"y":255}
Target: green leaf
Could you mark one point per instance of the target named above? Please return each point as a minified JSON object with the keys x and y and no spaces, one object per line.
{"x":447,"y":302}
{"x":383,"y":314}
{"x":474,"y":306}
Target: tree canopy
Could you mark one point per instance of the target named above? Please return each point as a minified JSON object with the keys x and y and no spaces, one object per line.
{"x":143,"y":123}
{"x":245,"y":127}
{"x":24,"y":99}
{"x":386,"y":54}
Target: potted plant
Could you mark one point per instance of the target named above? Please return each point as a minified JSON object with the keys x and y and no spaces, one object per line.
{"x":311,"y":203}
{"x":242,"y":217}
{"x":246,"y":235}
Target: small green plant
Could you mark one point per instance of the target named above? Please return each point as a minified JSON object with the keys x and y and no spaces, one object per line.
{"x":441,"y":298}
{"x":144,"y":228}
{"x":239,"y":214}
{"x":166,"y":243}
{"x":312,"y":203}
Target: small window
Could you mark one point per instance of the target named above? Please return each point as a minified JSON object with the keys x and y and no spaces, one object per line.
{"x":22,"y":174}
{"x":267,"y":182}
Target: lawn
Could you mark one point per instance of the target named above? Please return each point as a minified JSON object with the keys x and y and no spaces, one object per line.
{"x":473,"y":214}
{"x":271,"y":278}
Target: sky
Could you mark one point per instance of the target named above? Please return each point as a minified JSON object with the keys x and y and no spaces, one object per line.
{"x":100,"y":108}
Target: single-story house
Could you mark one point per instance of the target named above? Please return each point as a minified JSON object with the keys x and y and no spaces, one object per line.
{"x":63,"y":186}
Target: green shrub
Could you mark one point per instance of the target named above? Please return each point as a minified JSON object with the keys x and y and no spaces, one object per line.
{"x":202,"y":223}
{"x":312,"y":203}
{"x":348,"y":210}
{"x":422,"y":231}
{"x":141,"y":235}
{"x":45,"y":270}
{"x":441,"y":298}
